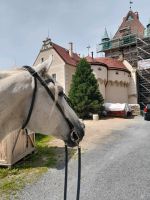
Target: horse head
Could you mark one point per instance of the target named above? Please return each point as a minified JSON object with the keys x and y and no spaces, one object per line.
{"x":52,"y":114}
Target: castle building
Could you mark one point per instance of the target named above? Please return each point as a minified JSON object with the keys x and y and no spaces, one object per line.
{"x":64,"y":62}
{"x":123,"y":44}
{"x":116,"y":79}
{"x":131,"y":42}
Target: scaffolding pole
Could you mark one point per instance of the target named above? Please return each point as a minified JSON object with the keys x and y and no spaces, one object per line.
{"x":142,"y":41}
{"x":143,"y":50}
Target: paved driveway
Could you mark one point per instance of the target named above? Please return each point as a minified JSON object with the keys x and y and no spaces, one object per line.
{"x":115,"y":165}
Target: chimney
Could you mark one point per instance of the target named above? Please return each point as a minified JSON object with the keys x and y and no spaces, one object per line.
{"x":92,"y":54}
{"x":71,"y":49}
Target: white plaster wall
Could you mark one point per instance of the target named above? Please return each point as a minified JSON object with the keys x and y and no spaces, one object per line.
{"x":132,"y":89}
{"x":116,"y":93}
{"x":57,"y":67}
{"x":69,"y":71}
{"x":121,"y":76}
{"x":101,"y":87}
{"x":100,"y":72}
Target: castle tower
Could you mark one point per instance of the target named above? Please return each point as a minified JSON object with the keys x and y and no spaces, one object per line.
{"x":123,"y":44}
{"x":131,"y":42}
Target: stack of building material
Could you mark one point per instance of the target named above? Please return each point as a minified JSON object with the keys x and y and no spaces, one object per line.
{"x":15,"y":147}
{"x":135,"y":109}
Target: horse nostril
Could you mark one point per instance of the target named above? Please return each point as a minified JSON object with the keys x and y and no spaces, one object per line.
{"x":74,"y":136}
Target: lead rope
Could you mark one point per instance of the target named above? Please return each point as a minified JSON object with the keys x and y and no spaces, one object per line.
{"x":79,"y":173}
{"x":66,"y":173}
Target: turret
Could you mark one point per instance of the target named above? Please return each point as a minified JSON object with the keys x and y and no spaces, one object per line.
{"x":105,"y":37}
{"x":105,"y":40}
{"x":46,"y":43}
{"x":147,"y":30}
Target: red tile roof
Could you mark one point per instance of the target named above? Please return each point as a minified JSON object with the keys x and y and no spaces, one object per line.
{"x":134,"y":25}
{"x":64,"y":54}
{"x":111,"y":63}
{"x":108,"y":62}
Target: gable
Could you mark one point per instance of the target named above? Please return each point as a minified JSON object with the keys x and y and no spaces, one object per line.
{"x":130,"y":25}
{"x":44,"y":55}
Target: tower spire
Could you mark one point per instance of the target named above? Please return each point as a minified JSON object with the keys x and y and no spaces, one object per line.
{"x":131,"y":2}
{"x":105,"y":36}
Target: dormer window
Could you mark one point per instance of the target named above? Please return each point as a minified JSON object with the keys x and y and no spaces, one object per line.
{"x":130,"y":17}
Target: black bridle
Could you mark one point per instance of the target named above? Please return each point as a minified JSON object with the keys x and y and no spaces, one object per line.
{"x":74,"y":135}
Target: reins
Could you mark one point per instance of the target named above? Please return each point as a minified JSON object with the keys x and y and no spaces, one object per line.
{"x":66,"y":173}
{"x":74,"y":135}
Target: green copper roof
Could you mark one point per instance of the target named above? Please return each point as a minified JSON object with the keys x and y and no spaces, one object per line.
{"x":105,"y":36}
{"x":148,"y":23}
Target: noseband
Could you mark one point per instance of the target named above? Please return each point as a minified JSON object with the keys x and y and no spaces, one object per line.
{"x":74,"y":135}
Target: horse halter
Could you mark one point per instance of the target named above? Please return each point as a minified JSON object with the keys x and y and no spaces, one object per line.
{"x":73,"y":135}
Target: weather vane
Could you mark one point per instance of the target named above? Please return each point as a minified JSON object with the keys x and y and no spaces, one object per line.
{"x":88,"y":47}
{"x":131,"y":2}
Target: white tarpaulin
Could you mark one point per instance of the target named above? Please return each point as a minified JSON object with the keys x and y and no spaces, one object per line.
{"x":144,"y":64}
{"x":117,"y":107}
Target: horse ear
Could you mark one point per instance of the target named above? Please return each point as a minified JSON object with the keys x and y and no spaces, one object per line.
{"x":43,"y":67}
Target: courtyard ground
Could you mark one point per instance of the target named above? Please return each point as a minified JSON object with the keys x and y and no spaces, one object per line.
{"x":97,"y":133}
{"x":96,"y":130}
{"x":115,"y":164}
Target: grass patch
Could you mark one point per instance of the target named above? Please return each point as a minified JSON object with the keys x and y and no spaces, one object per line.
{"x":29,"y":169}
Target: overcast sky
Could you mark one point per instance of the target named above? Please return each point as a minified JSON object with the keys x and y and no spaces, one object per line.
{"x":24,"y":24}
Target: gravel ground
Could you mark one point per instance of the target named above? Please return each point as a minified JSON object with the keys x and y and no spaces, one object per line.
{"x":115,"y":165}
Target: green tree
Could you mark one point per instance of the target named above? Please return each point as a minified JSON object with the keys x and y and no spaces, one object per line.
{"x":84,"y":93}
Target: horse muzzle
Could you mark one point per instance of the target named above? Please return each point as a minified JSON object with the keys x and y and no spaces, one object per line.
{"x":76,"y":136}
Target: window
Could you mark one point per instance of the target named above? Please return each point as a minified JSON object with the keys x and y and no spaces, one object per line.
{"x":54,"y":77}
{"x":130,"y":17}
{"x":42,"y":59}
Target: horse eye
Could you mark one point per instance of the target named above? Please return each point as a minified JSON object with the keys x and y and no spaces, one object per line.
{"x":61,"y":94}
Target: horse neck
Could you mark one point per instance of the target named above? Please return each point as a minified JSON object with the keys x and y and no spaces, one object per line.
{"x":15,"y":93}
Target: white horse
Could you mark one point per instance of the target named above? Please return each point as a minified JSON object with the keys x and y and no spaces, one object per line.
{"x":16,"y":89}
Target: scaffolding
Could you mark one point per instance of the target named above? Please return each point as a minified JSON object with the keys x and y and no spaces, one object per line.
{"x":117,"y":43}
{"x":125,"y":46}
{"x":134,"y":50}
{"x":143,"y":70}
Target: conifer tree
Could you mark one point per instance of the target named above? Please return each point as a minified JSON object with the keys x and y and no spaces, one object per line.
{"x":84,"y":93}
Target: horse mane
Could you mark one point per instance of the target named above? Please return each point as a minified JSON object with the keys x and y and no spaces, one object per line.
{"x":4,"y":74}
